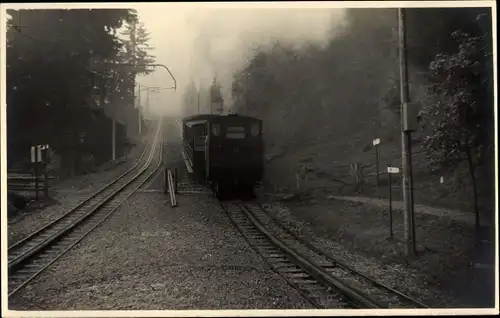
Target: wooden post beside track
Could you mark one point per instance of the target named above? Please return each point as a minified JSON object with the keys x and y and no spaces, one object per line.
{"x":376,"y":142}
{"x":390,"y":171}
{"x":171,"y":190}
{"x":45,"y":174}
{"x":165,"y":173}
{"x":176,"y":180}
{"x":390,"y":203}
{"x":165,"y":180}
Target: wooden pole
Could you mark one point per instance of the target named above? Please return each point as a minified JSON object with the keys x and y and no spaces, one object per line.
{"x":165,"y":180}
{"x":45,"y":175}
{"x":390,"y":204}
{"x":113,"y":138}
{"x":175,"y":179}
{"x":377,"y":164}
{"x":139,"y":119}
{"x":37,"y":160}
{"x":410,"y":246}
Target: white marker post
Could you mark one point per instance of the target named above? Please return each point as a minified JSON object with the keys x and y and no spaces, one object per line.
{"x":376,"y":142}
{"x":36,"y":157}
{"x":391,"y":170}
{"x":33,"y":162}
{"x":45,"y":149}
{"x":33,"y":154}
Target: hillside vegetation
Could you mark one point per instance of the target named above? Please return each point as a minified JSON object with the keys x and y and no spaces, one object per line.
{"x":322,"y":107}
{"x":57,"y":96}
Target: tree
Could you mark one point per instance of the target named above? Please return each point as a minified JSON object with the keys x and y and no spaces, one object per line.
{"x":461,"y":116}
{"x":190,"y":99}
{"x":49,"y":85}
{"x":430,"y":29}
{"x":216,"y":96}
{"x":135,"y":50}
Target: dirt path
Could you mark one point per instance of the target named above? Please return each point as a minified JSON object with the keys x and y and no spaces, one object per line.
{"x":464,"y":217}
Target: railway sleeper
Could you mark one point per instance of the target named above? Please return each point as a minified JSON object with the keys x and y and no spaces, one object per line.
{"x":284,"y":265}
{"x":311,"y":287}
{"x":262,"y":241}
{"x":23,"y":271}
{"x":269,"y":248}
{"x":298,"y":275}
{"x":305,"y":281}
{"x":281,"y":260}
{"x":16,"y":279}
{"x":291,"y":270}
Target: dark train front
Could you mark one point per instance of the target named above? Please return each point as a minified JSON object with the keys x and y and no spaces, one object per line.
{"x":225,"y":150}
{"x":234,"y":154}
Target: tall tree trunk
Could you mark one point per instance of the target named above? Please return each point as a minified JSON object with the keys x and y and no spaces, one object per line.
{"x":474,"y":187}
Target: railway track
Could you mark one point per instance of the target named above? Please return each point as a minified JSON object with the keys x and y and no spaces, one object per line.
{"x":33,"y":254}
{"x":324,"y":281}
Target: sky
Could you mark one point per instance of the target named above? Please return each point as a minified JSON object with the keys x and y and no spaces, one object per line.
{"x":200,"y":42}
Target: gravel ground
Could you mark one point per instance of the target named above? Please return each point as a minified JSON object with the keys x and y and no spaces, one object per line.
{"x":357,"y":233}
{"x":150,"y":256}
{"x":66,"y":195}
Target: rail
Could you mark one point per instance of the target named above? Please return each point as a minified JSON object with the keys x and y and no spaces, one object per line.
{"x":323,"y":280}
{"x":33,"y":254}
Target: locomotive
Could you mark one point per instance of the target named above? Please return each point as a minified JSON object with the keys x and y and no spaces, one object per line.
{"x":227,"y":151}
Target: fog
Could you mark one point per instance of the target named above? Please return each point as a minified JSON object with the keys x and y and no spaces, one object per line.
{"x":200,"y":43}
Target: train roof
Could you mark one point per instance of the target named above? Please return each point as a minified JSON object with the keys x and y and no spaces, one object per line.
{"x":233,"y":117}
{"x":199,"y":117}
{"x":192,"y":123}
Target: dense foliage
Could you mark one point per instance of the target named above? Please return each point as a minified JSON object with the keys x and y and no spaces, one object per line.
{"x":52,"y":92}
{"x":351,"y":87}
{"x":199,"y":100}
{"x":461,"y":118}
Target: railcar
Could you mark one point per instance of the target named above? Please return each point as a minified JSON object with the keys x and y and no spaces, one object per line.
{"x":234,"y":153}
{"x":193,"y":137}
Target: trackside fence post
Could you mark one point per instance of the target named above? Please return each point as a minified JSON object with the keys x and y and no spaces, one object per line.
{"x":390,"y":202}
{"x":165,"y":180}
{"x":45,"y":174}
{"x":175,"y":180}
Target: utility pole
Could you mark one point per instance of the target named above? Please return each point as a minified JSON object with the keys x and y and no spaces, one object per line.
{"x":113,"y":137}
{"x":148,"y":90}
{"x":147,"y":100}
{"x":133,"y":48}
{"x":113,"y":122}
{"x":139,"y":109}
{"x":409,"y":213}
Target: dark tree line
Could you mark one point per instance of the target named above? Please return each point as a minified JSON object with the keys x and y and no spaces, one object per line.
{"x":199,"y":99}
{"x":54,"y":95}
{"x":343,"y":87}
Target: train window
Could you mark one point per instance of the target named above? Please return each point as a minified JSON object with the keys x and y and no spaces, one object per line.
{"x":216,"y":129}
{"x":234,"y":132}
{"x":255,"y":129}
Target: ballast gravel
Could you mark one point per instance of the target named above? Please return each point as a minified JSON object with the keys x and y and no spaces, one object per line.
{"x":150,"y":256}
{"x":67,"y":195}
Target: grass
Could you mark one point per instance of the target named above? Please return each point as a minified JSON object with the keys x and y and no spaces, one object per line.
{"x":443,"y":245}
{"x":329,"y":164}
